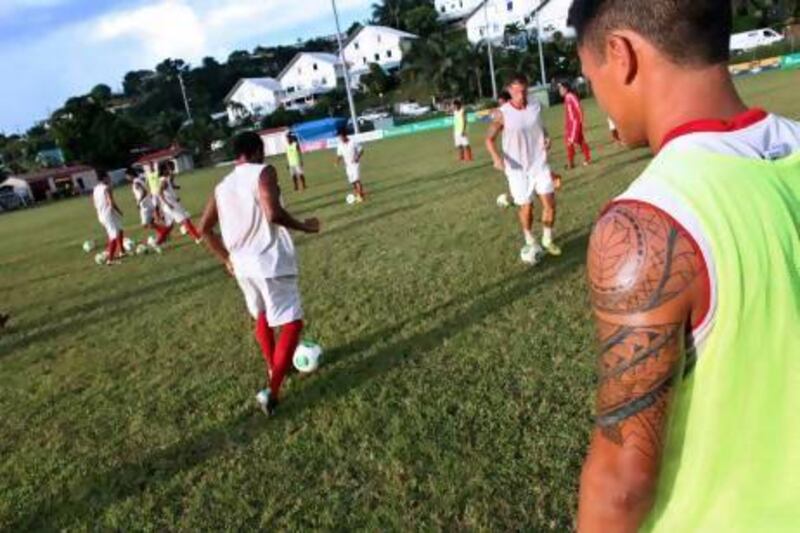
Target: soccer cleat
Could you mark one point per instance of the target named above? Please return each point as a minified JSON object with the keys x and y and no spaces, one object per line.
{"x":359,"y":199}
{"x":267,"y":402}
{"x":552,"y":249}
{"x":198,"y":241}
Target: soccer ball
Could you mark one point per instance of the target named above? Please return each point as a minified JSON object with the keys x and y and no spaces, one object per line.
{"x":88,"y":246}
{"x":151,"y":241}
{"x":128,"y":245}
{"x":141,"y":249}
{"x":351,"y":199}
{"x":307,"y":357}
{"x":530,"y":255}
{"x":502,"y":201}
{"x":100,"y":258}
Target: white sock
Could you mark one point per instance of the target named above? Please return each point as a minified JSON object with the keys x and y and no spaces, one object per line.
{"x":530,"y":238}
{"x":547,"y":235}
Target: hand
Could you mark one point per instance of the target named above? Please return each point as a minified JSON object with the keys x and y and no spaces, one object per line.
{"x":547,"y":143}
{"x":229,"y":268}
{"x":312,"y":225}
{"x":499,"y":165}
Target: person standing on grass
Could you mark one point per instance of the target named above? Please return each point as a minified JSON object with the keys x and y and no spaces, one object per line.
{"x":109,"y":215}
{"x":524,"y":162}
{"x":257,"y":249}
{"x":460,"y":132}
{"x":694,"y":282}
{"x":573,"y":125}
{"x":294,"y":160}
{"x":173,"y":210}
{"x":144,"y":201}
{"x":350,"y":153}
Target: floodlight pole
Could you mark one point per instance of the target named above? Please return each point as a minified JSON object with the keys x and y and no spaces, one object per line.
{"x":185,"y":99}
{"x":489,"y":48}
{"x":347,"y":87}
{"x":541,"y":50}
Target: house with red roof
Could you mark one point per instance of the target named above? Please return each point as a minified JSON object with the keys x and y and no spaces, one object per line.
{"x":60,"y":182}
{"x":181,"y":158}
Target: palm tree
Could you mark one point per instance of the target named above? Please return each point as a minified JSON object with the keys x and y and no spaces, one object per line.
{"x":440,"y":62}
{"x":388,"y":13}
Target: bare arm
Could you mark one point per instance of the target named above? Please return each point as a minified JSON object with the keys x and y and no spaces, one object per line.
{"x":162,"y":187}
{"x":110,"y":199}
{"x":495,"y":129}
{"x":644,"y":279}
{"x":269,"y":199}
{"x":213,"y":242}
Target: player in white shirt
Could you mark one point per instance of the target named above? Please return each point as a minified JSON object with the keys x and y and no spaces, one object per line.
{"x":257,"y":249}
{"x":524,"y":162}
{"x":171,"y":207}
{"x":109,"y":215}
{"x":350,"y":153}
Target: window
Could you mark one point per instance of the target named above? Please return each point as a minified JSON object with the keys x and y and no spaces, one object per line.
{"x":379,"y":37}
{"x":509,"y":6}
{"x":365,"y":59}
{"x":377,"y":57}
{"x":443,"y":9}
{"x":355,"y":45}
{"x":316,"y":67}
{"x":324,"y":81}
{"x":388,"y":54}
{"x":461,"y":3}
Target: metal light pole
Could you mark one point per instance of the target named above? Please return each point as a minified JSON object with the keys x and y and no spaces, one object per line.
{"x":489,"y":48}
{"x":185,"y":99}
{"x":347,"y":87}
{"x":541,"y":49}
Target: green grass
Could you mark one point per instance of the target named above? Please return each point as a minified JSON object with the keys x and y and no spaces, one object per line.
{"x":456,"y":391}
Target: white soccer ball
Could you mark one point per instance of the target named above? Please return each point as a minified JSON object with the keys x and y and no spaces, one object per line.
{"x":88,"y":246}
{"x":307,"y":357}
{"x":128,"y":245}
{"x":151,"y":241}
{"x":141,"y":249}
{"x":100,"y":258}
{"x":350,"y":199}
{"x":530,"y":255}
{"x":502,"y":201}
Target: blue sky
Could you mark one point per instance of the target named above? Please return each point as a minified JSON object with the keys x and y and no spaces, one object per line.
{"x":54,"y":49}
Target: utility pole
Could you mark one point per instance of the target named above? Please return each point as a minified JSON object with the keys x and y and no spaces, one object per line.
{"x":489,"y":48}
{"x":347,"y":87}
{"x":541,"y":50}
{"x":185,"y":98}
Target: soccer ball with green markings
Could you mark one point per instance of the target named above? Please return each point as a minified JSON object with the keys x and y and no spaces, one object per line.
{"x":307,"y":357}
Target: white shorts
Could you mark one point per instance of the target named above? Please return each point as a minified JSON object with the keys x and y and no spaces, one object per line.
{"x":524,"y":185}
{"x":174,"y":215}
{"x":296,"y":172}
{"x":279,"y":298}
{"x":461,"y":141}
{"x":112,"y":225}
{"x":147,"y":212}
{"x":353,"y":173}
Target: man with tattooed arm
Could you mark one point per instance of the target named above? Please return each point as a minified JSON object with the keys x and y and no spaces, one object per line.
{"x":694,"y":275}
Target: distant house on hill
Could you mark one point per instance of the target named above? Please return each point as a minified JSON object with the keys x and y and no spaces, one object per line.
{"x":308,"y":75}
{"x":452,"y":10}
{"x":490,"y":18}
{"x":182,"y":159}
{"x":257,"y":97}
{"x":60,"y":182}
{"x":376,"y":44}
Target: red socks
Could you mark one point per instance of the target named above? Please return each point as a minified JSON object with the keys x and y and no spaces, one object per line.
{"x":287,"y":344}
{"x":266,"y":339}
{"x":120,"y":241}
{"x":571,"y":155}
{"x":191,"y":230}
{"x":587,"y":154}
{"x":163,"y":234}
{"x":111,"y":248}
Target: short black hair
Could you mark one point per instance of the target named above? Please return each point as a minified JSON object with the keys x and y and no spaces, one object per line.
{"x":457,"y":102}
{"x":342,"y":130}
{"x":504,"y":95}
{"x":518,"y":77}
{"x":248,"y":145}
{"x":690,"y":32}
{"x":164,"y":169}
{"x":565,"y":84}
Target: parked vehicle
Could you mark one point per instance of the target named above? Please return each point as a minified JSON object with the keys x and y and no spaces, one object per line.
{"x":749,"y":40}
{"x":412,"y":109}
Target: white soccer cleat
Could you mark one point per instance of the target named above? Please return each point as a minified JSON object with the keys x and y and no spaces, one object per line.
{"x":266,"y":402}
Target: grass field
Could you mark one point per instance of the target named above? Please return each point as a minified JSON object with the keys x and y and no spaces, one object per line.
{"x":456,"y":391}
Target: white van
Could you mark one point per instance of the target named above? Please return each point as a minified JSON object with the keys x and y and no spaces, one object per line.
{"x":748,"y":40}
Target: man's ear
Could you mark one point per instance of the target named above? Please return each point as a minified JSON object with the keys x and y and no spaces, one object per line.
{"x":622,"y":55}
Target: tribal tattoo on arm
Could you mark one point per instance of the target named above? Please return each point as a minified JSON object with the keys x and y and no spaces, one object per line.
{"x":642,"y":270}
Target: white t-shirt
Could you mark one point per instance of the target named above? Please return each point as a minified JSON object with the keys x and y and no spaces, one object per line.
{"x":523,"y":136}
{"x":101,"y":203}
{"x":258,"y":248}
{"x":168,"y":191}
{"x":140,"y":191}
{"x":349,"y":151}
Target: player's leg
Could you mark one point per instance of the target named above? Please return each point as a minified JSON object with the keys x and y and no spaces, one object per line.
{"x":467,"y":150}
{"x":302,"y":181}
{"x":544,"y":188}
{"x":570,"y":155}
{"x":522,"y":191}
{"x":191,"y":230}
{"x":284,"y":309}
{"x":254,"y":291}
{"x":112,"y":247}
{"x":587,"y":152}
{"x":266,"y":340}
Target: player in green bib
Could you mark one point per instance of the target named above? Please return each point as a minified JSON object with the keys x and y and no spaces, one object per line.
{"x":460,"y":132}
{"x":694,"y":275}
{"x":294,"y":160}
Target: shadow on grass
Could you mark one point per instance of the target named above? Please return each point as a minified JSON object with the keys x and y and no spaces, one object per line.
{"x":84,"y":502}
{"x":109,"y":305}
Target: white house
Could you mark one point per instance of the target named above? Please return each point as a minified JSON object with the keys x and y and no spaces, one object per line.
{"x":490,"y":18}
{"x":256,"y":97}
{"x":178,"y":156}
{"x":308,"y":75}
{"x":59,"y":182}
{"x":451,"y":10}
{"x":551,"y":17}
{"x":375,"y":44}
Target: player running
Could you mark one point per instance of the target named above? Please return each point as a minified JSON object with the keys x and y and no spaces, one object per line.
{"x":294,"y":160}
{"x":257,"y":249}
{"x":171,"y":207}
{"x":573,"y":125}
{"x":524,"y":162}
{"x":460,"y":132}
{"x":110,"y":217}
{"x":695,"y":284}
{"x":350,"y":153}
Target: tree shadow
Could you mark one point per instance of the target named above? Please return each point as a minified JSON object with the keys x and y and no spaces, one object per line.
{"x":86,"y":499}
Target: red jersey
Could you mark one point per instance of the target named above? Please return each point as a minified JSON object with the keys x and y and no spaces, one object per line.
{"x":573,"y":119}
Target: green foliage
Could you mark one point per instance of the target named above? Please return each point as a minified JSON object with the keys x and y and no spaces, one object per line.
{"x":422,"y":20}
{"x":282,"y":117}
{"x":401,"y":14}
{"x":377,"y":81}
